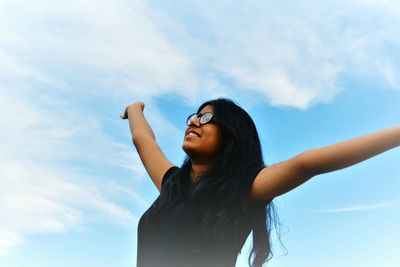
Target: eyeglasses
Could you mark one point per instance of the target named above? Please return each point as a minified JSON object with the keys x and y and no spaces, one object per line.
{"x":204,"y":118}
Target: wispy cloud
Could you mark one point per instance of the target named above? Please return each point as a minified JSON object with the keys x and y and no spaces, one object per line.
{"x":354,"y":208}
{"x":51,"y":166}
{"x":291,"y":55}
{"x":107,"y":45}
{"x":9,"y":240}
{"x":59,"y":162}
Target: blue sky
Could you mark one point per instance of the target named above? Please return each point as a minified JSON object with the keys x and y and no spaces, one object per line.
{"x":310,"y":74}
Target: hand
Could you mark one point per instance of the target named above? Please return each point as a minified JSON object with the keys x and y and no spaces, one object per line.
{"x":133,"y":105}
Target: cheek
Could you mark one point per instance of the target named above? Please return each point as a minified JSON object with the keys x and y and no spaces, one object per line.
{"x":215,"y":139}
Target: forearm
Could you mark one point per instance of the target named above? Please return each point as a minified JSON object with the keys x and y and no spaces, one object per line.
{"x":138,"y":123}
{"x":350,"y":152}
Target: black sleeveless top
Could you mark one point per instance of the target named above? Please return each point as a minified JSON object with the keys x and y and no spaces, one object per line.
{"x":176,"y":241}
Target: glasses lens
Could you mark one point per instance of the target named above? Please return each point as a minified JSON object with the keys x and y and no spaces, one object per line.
{"x":206,"y":118}
{"x":190,"y":118}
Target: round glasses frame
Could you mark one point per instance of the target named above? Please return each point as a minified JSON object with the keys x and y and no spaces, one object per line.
{"x":204,"y":118}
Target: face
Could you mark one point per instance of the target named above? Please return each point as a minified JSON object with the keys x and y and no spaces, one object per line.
{"x":202,"y":140}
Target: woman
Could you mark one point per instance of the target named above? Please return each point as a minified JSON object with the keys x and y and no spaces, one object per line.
{"x":223,"y":191}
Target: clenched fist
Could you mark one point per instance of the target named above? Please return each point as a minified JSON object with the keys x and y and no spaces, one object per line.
{"x":136,"y":105}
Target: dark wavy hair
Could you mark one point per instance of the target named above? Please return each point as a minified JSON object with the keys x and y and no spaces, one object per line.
{"x":219,"y":194}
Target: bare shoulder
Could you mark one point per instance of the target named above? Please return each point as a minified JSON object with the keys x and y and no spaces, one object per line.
{"x":263,"y":187}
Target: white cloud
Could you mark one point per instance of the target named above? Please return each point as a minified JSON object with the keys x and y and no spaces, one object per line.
{"x":291,"y":53}
{"x":41,"y":198}
{"x":50,"y":165}
{"x":54,"y":147}
{"x":103,"y":44}
{"x":9,"y":239}
{"x":354,"y":208}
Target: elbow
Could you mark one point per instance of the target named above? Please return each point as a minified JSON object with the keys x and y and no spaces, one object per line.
{"x":308,"y":164}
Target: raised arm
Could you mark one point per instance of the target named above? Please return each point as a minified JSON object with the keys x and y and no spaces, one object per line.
{"x":282,"y":177}
{"x":153,"y":159}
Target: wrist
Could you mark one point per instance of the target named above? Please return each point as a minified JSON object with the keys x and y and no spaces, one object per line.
{"x":135,"y":107}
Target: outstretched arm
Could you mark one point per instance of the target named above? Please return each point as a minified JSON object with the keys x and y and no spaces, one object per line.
{"x":282,"y":177}
{"x":153,"y":159}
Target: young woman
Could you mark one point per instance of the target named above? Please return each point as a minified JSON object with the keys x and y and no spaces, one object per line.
{"x":223,"y":191}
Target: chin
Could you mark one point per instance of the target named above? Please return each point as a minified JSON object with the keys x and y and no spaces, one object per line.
{"x":186,"y":148}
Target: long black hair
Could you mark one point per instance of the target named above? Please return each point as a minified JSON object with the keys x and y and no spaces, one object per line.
{"x":218,"y":196}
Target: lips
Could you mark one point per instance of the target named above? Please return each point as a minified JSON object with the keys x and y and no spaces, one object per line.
{"x":191,"y":132}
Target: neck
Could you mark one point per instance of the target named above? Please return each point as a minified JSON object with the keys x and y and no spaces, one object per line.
{"x":199,"y":168}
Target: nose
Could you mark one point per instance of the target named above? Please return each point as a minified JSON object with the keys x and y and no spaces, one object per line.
{"x":195,"y":121}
